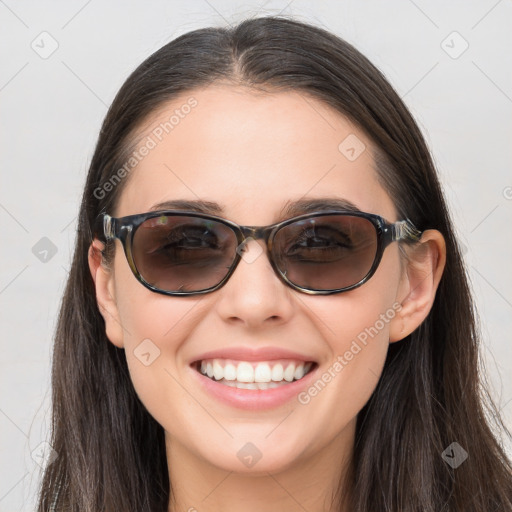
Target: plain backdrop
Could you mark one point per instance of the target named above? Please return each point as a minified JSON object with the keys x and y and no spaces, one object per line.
{"x":62,"y":62}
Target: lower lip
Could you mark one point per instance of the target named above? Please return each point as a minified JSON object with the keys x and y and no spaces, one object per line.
{"x":254,"y":399}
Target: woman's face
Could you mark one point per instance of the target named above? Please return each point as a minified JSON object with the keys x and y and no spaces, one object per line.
{"x":253,"y":154}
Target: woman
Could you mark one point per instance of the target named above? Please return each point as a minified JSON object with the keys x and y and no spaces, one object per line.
{"x":267,"y":307}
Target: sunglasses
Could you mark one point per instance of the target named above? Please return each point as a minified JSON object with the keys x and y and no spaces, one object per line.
{"x":188,"y":253}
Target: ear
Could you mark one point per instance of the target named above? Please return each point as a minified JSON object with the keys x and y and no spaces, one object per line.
{"x":103,"y":278}
{"x":423,"y":268}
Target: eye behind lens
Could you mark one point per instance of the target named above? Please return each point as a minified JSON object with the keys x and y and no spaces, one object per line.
{"x":183,"y":253}
{"x":327,"y":252}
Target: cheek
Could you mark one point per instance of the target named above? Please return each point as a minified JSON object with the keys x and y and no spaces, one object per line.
{"x":367,"y":309}
{"x":157,"y":327}
{"x":145,"y":314}
{"x":355,"y":326}
{"x":154,"y":328}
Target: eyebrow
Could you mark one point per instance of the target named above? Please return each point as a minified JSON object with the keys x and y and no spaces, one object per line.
{"x":289,"y":210}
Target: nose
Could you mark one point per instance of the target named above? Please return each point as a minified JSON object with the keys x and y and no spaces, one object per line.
{"x":254,"y":295}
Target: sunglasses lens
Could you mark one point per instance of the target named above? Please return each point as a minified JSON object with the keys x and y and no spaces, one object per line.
{"x":326,"y":252}
{"x":180,"y":253}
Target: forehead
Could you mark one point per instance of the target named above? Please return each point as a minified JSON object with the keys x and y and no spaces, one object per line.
{"x":251,"y":153}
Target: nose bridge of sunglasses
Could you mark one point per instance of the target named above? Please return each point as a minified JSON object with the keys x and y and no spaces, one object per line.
{"x":248,"y":251}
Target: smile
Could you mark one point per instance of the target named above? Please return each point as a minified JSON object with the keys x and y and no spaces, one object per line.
{"x":255,"y":375}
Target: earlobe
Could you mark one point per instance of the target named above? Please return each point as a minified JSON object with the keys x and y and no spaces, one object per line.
{"x":424,"y":267}
{"x":105,"y":293}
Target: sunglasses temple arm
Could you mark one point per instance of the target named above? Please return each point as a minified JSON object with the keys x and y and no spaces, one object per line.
{"x":405,"y":230}
{"x":109,"y":227}
{"x":105,"y":228}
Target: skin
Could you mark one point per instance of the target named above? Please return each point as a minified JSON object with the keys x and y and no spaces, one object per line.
{"x":252,"y":153}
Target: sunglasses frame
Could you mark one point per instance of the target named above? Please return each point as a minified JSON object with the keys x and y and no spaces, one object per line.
{"x":123,"y":228}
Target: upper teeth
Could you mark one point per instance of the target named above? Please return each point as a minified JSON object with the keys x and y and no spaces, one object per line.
{"x":243,"y":371}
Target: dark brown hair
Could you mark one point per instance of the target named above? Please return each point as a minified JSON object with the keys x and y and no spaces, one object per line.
{"x":111,"y":452}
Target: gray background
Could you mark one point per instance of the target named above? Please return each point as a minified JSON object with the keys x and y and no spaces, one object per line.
{"x":52,"y":107}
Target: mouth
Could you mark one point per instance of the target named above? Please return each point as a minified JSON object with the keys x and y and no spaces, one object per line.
{"x":254,"y":375}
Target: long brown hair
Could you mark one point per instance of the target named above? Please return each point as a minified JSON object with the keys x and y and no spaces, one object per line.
{"x":111,"y":452}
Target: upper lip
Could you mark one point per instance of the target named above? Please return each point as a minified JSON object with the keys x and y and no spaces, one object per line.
{"x":252,"y":354}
